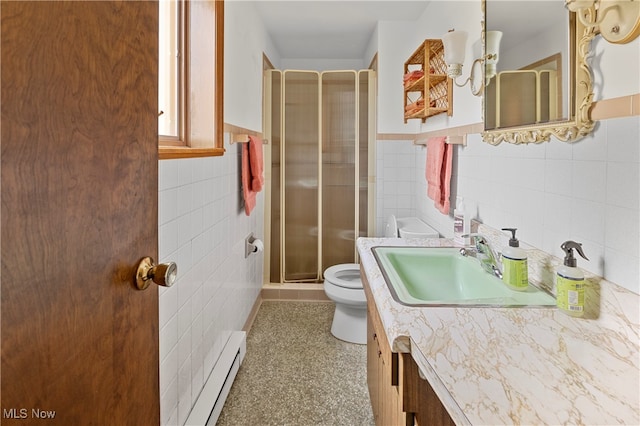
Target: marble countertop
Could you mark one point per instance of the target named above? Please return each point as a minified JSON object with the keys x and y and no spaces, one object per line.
{"x":518,"y":365}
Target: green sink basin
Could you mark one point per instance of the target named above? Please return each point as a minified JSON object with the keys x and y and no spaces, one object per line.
{"x":441,"y":276}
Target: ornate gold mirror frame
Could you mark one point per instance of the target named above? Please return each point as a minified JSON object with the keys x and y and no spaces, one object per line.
{"x":579,"y":123}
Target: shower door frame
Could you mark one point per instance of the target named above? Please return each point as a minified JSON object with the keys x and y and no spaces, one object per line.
{"x":371,"y":129}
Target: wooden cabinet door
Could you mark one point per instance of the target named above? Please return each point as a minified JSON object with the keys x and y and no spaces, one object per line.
{"x":373,"y":369}
{"x":420,"y":399}
{"x":79,"y":210}
{"x":383,"y":374}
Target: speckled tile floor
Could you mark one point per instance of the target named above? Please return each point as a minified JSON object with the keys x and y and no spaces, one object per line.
{"x":296,"y":373}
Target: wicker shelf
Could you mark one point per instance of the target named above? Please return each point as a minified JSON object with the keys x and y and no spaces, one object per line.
{"x":431,"y":93}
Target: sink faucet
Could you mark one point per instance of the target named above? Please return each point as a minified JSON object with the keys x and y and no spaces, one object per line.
{"x":484,"y":254}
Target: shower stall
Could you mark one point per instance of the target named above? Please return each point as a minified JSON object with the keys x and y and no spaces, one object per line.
{"x":321,"y":127}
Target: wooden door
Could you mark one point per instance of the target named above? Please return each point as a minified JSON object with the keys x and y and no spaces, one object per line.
{"x":79,"y":209}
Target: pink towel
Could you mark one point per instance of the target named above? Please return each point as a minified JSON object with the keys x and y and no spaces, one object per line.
{"x":252,"y":172}
{"x":256,"y":163}
{"x":438,"y":173}
{"x":249,"y":195}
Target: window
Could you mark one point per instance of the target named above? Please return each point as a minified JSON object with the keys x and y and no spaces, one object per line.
{"x":170,"y":69}
{"x":190,"y":92}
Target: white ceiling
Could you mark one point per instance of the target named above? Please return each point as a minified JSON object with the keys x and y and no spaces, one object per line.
{"x":330,"y":29}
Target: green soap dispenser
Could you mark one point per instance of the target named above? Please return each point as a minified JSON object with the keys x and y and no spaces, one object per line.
{"x":570,"y":282}
{"x":515,"y":271}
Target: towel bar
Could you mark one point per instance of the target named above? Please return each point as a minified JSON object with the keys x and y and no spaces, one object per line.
{"x":243,"y":138}
{"x":451,"y":140}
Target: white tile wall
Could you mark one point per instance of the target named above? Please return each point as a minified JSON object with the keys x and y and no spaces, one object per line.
{"x":202,"y":226}
{"x":588,"y":191}
{"x":395,"y":177}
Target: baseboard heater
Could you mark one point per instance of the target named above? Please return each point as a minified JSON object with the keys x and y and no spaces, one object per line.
{"x":209,"y":404}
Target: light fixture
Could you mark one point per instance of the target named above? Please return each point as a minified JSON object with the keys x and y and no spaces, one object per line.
{"x":454,"y":51}
{"x":617,"y":20}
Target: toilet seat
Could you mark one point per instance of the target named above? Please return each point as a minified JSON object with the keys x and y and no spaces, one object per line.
{"x":346,"y":275}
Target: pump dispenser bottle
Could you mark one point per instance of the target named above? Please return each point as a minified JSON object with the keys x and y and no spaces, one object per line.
{"x":515,"y":271}
{"x":461,"y":222}
{"x":570,"y":282}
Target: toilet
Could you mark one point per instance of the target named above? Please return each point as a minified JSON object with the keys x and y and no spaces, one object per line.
{"x":343,"y":285}
{"x":412,"y":227}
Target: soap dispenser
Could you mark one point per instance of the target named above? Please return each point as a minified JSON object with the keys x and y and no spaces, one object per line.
{"x":515,"y":271}
{"x":570,"y":281}
{"x":461,"y":223}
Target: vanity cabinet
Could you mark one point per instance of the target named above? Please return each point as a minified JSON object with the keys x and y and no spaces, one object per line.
{"x":383,"y":375}
{"x":428,"y":90}
{"x":399,"y":396}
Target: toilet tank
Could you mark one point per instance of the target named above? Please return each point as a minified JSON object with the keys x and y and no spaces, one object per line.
{"x":412,"y":227}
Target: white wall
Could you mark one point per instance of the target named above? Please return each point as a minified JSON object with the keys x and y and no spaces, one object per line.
{"x":372,"y":47}
{"x":588,"y":191}
{"x":396,"y":42}
{"x":245,"y":41}
{"x":396,"y":174}
{"x":616,"y":68}
{"x":400,"y":164}
{"x":202,"y":227}
{"x":438,"y":18}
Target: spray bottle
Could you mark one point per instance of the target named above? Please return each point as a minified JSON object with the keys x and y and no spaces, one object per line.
{"x":570,"y":282}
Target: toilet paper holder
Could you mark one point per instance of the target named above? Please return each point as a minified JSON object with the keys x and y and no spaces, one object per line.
{"x":252,"y":245}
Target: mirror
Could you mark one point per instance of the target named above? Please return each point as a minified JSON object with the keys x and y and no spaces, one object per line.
{"x":543,"y":86}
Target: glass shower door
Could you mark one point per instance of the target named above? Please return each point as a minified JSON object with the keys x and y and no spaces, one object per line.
{"x":339,"y":166}
{"x":366,"y":131}
{"x":300,"y":175}
{"x":274,"y":124}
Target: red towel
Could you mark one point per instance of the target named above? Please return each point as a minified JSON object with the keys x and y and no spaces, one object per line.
{"x":411,"y":77}
{"x":438,"y":172}
{"x":252,"y":172}
{"x":249,"y":195}
{"x":414,"y":107}
{"x":256,"y":163}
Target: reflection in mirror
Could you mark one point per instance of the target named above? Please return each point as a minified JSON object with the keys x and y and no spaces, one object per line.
{"x":534,"y":53}
{"x":535,"y":93}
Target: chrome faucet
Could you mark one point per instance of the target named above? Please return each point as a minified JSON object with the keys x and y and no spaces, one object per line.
{"x":485,"y":255}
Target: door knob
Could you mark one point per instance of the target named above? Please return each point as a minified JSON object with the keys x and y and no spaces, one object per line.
{"x":164,"y":274}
